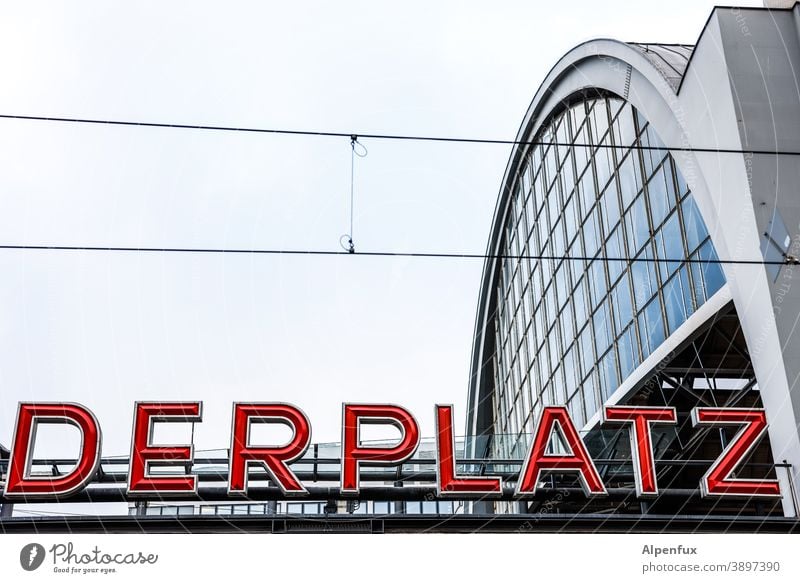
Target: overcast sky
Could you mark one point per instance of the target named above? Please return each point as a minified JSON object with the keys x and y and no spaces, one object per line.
{"x":106,"y":329}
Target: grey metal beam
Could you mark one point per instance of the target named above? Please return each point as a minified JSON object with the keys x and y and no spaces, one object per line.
{"x":460,"y":523}
{"x":104,"y":494}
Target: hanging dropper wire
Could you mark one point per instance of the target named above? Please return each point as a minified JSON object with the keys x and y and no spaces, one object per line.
{"x":361,"y":152}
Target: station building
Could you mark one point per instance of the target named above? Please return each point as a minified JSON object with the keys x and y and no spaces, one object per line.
{"x":644,"y":249}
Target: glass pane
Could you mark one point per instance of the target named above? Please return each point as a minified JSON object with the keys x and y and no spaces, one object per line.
{"x":693,"y":224}
{"x":556,"y":386}
{"x":615,"y":250}
{"x":413,"y":508}
{"x":697,"y":281}
{"x":602,"y":327}
{"x":589,"y":395}
{"x":608,"y":374}
{"x":599,"y":119}
{"x":671,"y":241}
{"x":587,"y":349}
{"x":660,"y":203}
{"x":554,"y":348}
{"x":569,"y":371}
{"x":567,"y":325}
{"x":623,"y":304}
{"x":591,"y":234}
{"x":712,"y":271}
{"x":673,"y":302}
{"x":575,"y":408}
{"x":652,"y":157}
{"x":579,"y":301}
{"x":562,"y":290}
{"x":588,"y":192}
{"x":610,"y":202}
{"x":625,"y":132}
{"x":629,"y":178}
{"x":644,"y":278}
{"x":569,"y":217}
{"x":687,"y":291}
{"x":558,"y":241}
{"x":655,"y":324}
{"x":638,"y":227}
{"x":627,"y":357}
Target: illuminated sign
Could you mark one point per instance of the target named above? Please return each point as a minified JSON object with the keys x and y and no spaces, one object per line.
{"x":21,"y":482}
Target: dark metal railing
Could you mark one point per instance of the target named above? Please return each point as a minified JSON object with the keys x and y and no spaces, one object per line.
{"x":412,"y":480}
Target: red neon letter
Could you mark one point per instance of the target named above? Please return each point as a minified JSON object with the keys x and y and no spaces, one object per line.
{"x":642,"y":418}
{"x":716,"y":481}
{"x":20,"y":482}
{"x":274,"y":459}
{"x":447,"y":482}
{"x":538,"y":460}
{"x":144,"y":453}
{"x":353,"y":452}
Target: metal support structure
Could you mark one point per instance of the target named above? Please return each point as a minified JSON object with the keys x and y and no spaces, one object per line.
{"x":462,"y":523}
{"x":108,"y":494}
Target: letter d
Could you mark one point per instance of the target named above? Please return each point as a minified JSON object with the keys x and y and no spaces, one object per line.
{"x":21,"y":483}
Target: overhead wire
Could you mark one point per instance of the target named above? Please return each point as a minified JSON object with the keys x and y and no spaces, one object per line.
{"x":789,"y":260}
{"x":377,"y":136}
{"x":350,"y":249}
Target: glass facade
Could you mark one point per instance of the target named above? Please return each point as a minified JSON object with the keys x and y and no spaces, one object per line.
{"x":570,"y":331}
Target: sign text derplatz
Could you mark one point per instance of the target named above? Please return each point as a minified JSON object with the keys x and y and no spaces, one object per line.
{"x":22,"y":483}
